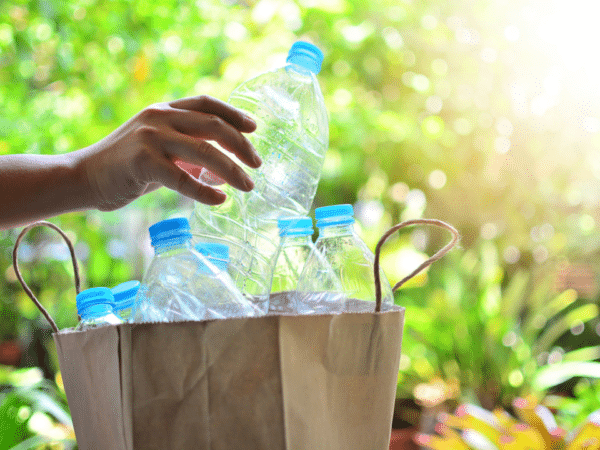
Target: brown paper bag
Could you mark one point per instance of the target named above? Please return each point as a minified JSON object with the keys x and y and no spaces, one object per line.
{"x":274,"y":382}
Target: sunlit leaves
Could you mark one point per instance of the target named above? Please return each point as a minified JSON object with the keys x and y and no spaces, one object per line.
{"x":436,"y":109}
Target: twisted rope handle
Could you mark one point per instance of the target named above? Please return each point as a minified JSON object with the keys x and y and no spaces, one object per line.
{"x":435,"y":257}
{"x":20,"y":278}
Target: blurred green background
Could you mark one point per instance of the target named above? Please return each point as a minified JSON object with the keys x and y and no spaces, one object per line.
{"x":483,"y":114}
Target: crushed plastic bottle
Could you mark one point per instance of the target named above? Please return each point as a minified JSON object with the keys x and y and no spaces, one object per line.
{"x":341,"y":269}
{"x":291,"y":138}
{"x":217,"y":254}
{"x":95,"y":307}
{"x":180,"y":284}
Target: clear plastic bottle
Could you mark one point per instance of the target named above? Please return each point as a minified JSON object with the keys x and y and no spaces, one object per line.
{"x":95,"y":307}
{"x":181,"y":284}
{"x":217,"y":254}
{"x":295,"y":246}
{"x":125,"y":294}
{"x":291,"y":138}
{"x":339,"y":250}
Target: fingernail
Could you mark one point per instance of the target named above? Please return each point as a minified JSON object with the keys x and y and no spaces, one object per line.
{"x":256,"y":159}
{"x":249,"y":120}
{"x":221,"y":196}
{"x":249,"y":184}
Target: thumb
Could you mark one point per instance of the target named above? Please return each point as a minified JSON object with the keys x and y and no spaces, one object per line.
{"x":151,"y":187}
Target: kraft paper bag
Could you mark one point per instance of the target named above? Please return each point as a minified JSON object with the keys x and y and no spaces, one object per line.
{"x":284,"y":382}
{"x":275,"y":382}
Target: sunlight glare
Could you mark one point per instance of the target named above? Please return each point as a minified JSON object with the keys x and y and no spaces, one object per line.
{"x":571,"y":29}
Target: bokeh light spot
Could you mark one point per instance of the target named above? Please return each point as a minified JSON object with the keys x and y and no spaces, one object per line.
{"x":429,"y":22}
{"x":392,"y":38}
{"x":577,"y":328}
{"x":437,"y":179}
{"x":502,"y":145}
{"x":420,"y":83}
{"x":434,"y":104}
{"x":398,"y":192}
{"x":433,"y":126}
{"x":512,"y":33}
{"x":515,"y":378}
{"x":511,"y":254}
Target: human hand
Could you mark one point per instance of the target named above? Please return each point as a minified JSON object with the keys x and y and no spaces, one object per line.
{"x":142,"y":154}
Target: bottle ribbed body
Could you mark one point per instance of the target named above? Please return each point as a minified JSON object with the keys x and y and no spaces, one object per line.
{"x":291,"y":138}
{"x":181,"y":284}
{"x":341,"y":269}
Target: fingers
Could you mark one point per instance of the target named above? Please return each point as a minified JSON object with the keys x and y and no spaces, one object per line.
{"x":165,"y":172}
{"x":210,"y":105}
{"x":210,"y":127}
{"x":201,"y":153}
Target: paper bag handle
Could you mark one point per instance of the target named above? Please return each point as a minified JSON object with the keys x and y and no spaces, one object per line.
{"x":435,"y":257}
{"x":20,"y":278}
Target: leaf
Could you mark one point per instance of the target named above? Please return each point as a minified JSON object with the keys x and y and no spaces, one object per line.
{"x":514,"y":294}
{"x":583,"y":354}
{"x":44,"y":402}
{"x":30,"y":443}
{"x":562,"y":325}
{"x":549,"y":310}
{"x":34,"y":441}
{"x":13,"y":429}
{"x":558,"y":373}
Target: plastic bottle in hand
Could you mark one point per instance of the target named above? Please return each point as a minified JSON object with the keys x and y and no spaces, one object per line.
{"x":95,"y":307}
{"x":218,"y":257}
{"x":291,"y":138}
{"x":125,"y":294}
{"x":295,"y":246}
{"x":351,"y":261}
{"x":180,"y":282}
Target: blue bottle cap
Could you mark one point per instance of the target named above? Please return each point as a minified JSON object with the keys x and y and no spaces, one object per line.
{"x":216,"y":254}
{"x":93,"y":296}
{"x":295,"y":226}
{"x":306,"y":55}
{"x":125,"y":293}
{"x":334,"y":215}
{"x":173,"y":230}
{"x":213,"y":250}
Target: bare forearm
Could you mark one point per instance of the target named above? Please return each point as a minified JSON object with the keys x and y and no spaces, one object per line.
{"x":135,"y":159}
{"x":34,"y":187}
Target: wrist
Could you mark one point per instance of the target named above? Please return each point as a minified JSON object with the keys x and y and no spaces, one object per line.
{"x":77,"y":173}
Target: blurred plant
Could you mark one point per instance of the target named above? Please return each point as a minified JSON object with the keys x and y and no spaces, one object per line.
{"x":572,"y":410}
{"x":472,"y":427}
{"x":486,"y":334}
{"x":33,"y":412}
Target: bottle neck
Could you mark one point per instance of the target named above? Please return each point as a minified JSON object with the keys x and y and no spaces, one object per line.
{"x":97,"y":310}
{"x":287,"y":241}
{"x":171,"y":245}
{"x":336,"y":230}
{"x":299,"y":73}
{"x":124,"y":303}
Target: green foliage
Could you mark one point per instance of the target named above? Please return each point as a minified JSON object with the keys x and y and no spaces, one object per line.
{"x":33,"y":412}
{"x":451,"y":110}
{"x":499,"y":338}
{"x":574,"y":410}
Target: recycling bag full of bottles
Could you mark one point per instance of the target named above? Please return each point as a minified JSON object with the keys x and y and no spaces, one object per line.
{"x":244,"y":332}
